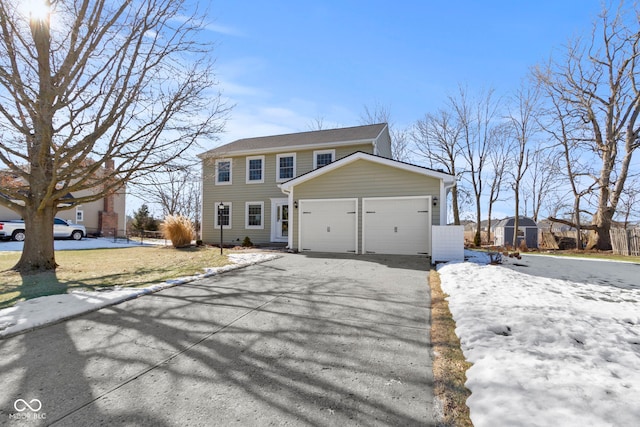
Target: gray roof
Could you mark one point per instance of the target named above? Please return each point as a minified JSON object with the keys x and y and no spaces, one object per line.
{"x":318,"y":137}
{"x":523,"y":221}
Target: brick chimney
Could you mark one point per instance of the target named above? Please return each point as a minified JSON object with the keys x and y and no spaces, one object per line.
{"x":108,"y":218}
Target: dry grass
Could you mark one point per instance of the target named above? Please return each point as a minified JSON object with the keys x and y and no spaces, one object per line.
{"x":449,"y":364}
{"x":178,"y":229}
{"x":99,"y":268}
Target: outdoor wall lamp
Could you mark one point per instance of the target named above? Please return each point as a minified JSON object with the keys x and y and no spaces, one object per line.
{"x":435,"y":200}
{"x":295,"y":204}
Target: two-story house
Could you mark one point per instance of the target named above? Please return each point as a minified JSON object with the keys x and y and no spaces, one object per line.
{"x":330,"y":190}
{"x":103,"y":217}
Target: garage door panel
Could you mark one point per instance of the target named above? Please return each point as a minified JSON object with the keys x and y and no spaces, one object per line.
{"x":397,"y":226}
{"x":328,"y":225}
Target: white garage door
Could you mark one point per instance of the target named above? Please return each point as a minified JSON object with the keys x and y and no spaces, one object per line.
{"x":396,"y":225}
{"x":328,"y":225}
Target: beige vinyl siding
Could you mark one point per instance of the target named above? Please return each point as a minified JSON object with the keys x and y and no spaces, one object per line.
{"x":383,"y":145}
{"x":364,"y":179}
{"x":240,"y":192}
{"x":91,"y":211}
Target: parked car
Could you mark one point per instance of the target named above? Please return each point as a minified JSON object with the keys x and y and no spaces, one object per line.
{"x":62,"y":229}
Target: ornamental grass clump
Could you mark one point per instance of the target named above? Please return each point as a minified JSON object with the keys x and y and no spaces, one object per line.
{"x":178,"y":229}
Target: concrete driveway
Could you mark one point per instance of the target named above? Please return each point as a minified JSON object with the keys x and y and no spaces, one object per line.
{"x":301,"y":340}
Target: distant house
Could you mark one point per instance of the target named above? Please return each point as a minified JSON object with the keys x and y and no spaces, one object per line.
{"x":103,"y":217}
{"x":527,"y":232}
{"x":333,"y":190}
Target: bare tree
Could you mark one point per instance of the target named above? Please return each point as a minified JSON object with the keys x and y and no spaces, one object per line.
{"x":630,"y":204}
{"x":523,"y":122}
{"x":90,"y":82}
{"x":399,"y":137}
{"x":566,"y":131}
{"x":477,"y":119}
{"x":595,"y":82}
{"x":317,"y":123}
{"x":436,"y":138}
{"x":500,"y":161}
{"x":541,"y":179}
{"x":177,"y":190}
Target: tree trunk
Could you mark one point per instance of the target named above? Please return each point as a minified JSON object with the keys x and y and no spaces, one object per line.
{"x":599,"y":238}
{"x":38,"y":253}
{"x":516,"y":219}
{"x":454,"y":205}
{"x":477,"y":239}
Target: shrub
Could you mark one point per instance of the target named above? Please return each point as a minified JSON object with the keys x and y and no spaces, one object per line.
{"x":247,"y":242}
{"x":178,"y":229}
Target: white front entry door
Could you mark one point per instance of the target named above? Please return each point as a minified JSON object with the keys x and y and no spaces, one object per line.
{"x":279,"y":220}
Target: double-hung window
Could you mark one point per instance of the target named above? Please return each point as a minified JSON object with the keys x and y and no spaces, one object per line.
{"x":286,"y":167}
{"x":254,"y":215}
{"x":255,"y":169}
{"x":223,"y":172}
{"x":323,"y":158}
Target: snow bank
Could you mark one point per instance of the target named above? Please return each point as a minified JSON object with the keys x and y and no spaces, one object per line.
{"x":545,"y":351}
{"x":37,"y":312}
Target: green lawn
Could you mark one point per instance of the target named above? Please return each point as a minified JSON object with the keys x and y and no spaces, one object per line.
{"x":98,"y":268}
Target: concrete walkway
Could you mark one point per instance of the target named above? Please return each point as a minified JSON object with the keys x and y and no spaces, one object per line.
{"x":300,"y":340}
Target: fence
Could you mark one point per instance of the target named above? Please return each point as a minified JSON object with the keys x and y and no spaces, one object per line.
{"x":625,"y":242}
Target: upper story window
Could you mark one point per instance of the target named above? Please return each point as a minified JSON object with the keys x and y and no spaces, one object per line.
{"x":323,"y":158}
{"x":286,"y":167}
{"x":255,"y":169}
{"x":223,"y":172}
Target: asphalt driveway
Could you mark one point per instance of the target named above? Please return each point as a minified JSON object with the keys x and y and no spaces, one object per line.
{"x":299,"y":340}
{"x":624,"y":275}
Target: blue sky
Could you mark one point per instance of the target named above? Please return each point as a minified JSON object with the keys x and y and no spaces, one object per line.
{"x":285,"y":64}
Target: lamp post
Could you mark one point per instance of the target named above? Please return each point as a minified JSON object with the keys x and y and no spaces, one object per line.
{"x":220,"y":212}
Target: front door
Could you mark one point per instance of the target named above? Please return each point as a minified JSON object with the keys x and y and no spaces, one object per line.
{"x":282,"y":229}
{"x":280,"y":220}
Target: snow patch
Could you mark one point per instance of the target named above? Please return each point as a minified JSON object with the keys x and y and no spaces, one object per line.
{"x":545,"y":351}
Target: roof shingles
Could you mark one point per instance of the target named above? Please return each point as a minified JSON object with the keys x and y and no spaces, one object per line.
{"x":318,"y":137}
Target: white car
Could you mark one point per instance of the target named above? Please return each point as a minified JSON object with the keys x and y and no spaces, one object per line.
{"x":62,"y":229}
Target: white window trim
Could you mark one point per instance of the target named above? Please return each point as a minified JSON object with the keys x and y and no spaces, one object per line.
{"x":79,"y":214}
{"x":255,"y":181}
{"x":218,"y":161}
{"x":246,"y":216}
{"x":315,"y":156}
{"x":216,"y":224}
{"x":278,"y":179}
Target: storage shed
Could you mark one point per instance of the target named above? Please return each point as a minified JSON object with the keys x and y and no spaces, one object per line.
{"x":527,"y":231}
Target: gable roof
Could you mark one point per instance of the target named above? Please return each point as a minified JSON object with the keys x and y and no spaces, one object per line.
{"x":274,"y":143}
{"x":359,"y":155}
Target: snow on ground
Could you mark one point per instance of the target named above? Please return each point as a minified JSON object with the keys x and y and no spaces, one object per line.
{"x":545,"y":351}
{"x":37,"y":312}
{"x":64,"y":245}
